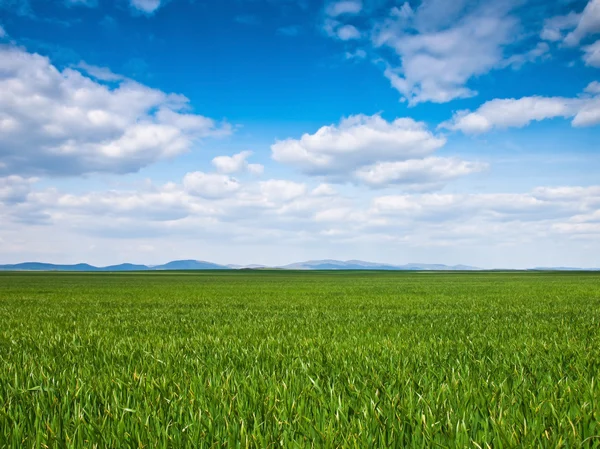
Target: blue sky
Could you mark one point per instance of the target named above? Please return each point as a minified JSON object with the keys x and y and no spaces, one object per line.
{"x":271,"y":131}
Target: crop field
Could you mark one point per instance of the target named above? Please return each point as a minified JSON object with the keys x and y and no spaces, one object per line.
{"x":299,"y":359}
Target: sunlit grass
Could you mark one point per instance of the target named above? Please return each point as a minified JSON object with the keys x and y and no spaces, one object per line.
{"x":286,"y":359}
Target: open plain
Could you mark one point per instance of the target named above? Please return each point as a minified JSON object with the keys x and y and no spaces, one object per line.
{"x":299,"y":359}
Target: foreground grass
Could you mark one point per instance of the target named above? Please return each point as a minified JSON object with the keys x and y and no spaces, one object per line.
{"x":286,"y":359}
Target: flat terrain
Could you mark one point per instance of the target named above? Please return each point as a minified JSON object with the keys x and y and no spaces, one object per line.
{"x":299,"y":359}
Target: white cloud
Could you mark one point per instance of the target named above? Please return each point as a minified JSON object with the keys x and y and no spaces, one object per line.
{"x":337,"y":30}
{"x":358,"y":54}
{"x":237,"y":164}
{"x":348,"y":32}
{"x":593,"y":87}
{"x":15,"y":189}
{"x":275,"y":190}
{"x":357,"y":141}
{"x":431,"y":173}
{"x":439,"y":58}
{"x":88,"y":3}
{"x":592,"y":54}
{"x":210,"y":185}
{"x":541,"y":51}
{"x":589,"y":24}
{"x":277,"y":212}
{"x":372,"y":151}
{"x":99,"y":73}
{"x":344,"y":7}
{"x":64,"y":123}
{"x":504,"y":113}
{"x":145,"y":6}
{"x":324,"y":190}
{"x":555,"y":26}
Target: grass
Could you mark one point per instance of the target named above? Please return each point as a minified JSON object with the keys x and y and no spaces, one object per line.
{"x":299,"y":359}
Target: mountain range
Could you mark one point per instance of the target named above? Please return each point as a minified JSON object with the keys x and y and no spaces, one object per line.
{"x":327,"y":264}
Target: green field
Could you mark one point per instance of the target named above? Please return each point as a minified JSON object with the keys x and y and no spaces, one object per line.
{"x":299,"y":359}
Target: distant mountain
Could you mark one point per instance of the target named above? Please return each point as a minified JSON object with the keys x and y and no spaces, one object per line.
{"x":241,"y":267}
{"x":190,"y":265}
{"x":329,"y":264}
{"x":326,"y":264}
{"x":125,"y":267}
{"x":174,"y":265}
{"x":38,"y":266}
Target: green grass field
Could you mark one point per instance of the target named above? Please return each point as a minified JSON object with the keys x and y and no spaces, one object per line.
{"x":290,"y":359}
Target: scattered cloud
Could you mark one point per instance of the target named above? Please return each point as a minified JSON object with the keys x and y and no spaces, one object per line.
{"x":99,"y":73}
{"x":372,"y":151}
{"x":206,"y":205}
{"x":555,"y":27}
{"x":357,"y":141}
{"x":588,"y":24}
{"x":431,"y":173}
{"x":592,"y":54}
{"x":63,"y":123}
{"x":593,"y":87}
{"x":343,"y":7}
{"x":357,"y":54}
{"x":505,"y":113}
{"x":210,"y":185}
{"x":540,"y":52}
{"x":439,"y":58}
{"x":15,"y":189}
{"x":145,"y":6}
{"x":347,"y":32}
{"x":2,"y":32}
{"x":88,"y":3}
{"x":237,"y":164}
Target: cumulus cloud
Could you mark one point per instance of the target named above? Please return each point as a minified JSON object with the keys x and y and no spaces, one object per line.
{"x":541,"y":51}
{"x":15,"y":189}
{"x":145,"y":6}
{"x":338,"y":8}
{"x":593,"y":87}
{"x":372,"y":151}
{"x":504,"y":113}
{"x":358,"y":140}
{"x":99,"y":73}
{"x":210,"y":185}
{"x":430,"y":173}
{"x":555,"y":27}
{"x":358,"y":54}
{"x":237,"y":164}
{"x":588,"y":24}
{"x":56,"y":122}
{"x":337,"y":30}
{"x":442,"y":47}
{"x":592,"y":54}
{"x":347,"y":32}
{"x":276,"y":190}
{"x":205,"y":206}
{"x":502,"y":207}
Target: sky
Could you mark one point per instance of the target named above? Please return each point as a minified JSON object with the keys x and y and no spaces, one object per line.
{"x":276,"y":131}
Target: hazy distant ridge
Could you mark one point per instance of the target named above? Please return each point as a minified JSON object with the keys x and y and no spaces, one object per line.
{"x":203,"y":265}
{"x":326,"y":264}
{"x":174,"y":265}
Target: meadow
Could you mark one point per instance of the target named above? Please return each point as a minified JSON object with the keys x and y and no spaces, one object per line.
{"x":299,"y":359}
